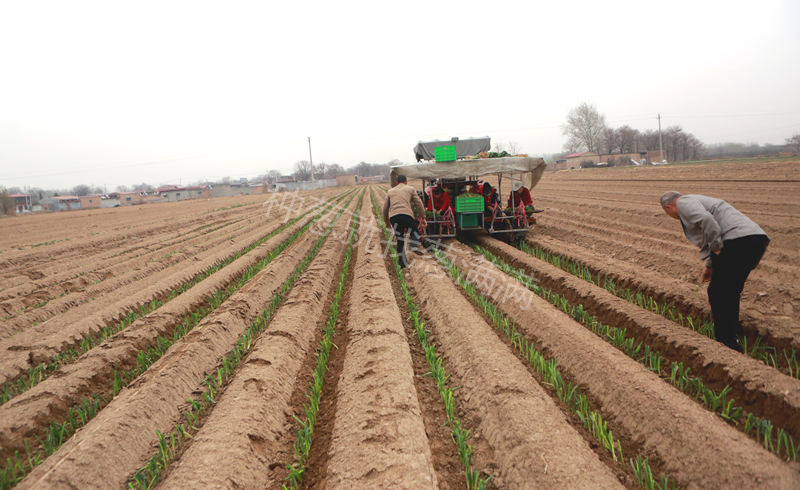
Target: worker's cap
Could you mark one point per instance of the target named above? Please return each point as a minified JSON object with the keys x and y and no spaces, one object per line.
{"x":517,"y":186}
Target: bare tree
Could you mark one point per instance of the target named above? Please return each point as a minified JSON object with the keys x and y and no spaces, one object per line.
{"x":511,"y":147}
{"x":334,"y":170}
{"x":273,"y":176}
{"x":609,"y":141}
{"x":6,"y":203}
{"x":794,"y":142}
{"x":679,"y":145}
{"x":81,"y":190}
{"x":695,"y":148}
{"x":363,"y":169}
{"x":648,"y":140}
{"x":627,"y":139}
{"x":36,"y":194}
{"x":123,"y":188}
{"x":584,"y":128}
{"x":302,"y":170}
{"x":572,"y":146}
{"x":320,"y":169}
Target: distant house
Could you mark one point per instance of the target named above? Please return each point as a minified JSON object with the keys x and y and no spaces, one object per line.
{"x":232,"y":189}
{"x":90,"y":202}
{"x":259,"y":188}
{"x":61,"y":203}
{"x":150,"y":197}
{"x":124,"y":199}
{"x":374,"y":178}
{"x":293,"y":185}
{"x":588,"y":158}
{"x":22,"y":203}
{"x":110,"y":200}
{"x":574,"y":160}
{"x":344,"y":180}
{"x":174,"y":193}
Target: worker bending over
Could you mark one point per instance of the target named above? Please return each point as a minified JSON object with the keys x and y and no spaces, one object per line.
{"x":401,"y":202}
{"x":438,"y":199}
{"x":731,"y":245}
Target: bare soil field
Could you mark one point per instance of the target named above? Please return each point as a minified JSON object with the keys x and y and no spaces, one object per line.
{"x":271,"y":341}
{"x":610,"y":219}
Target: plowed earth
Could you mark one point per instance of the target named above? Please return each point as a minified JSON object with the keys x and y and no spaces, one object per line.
{"x":610,"y":219}
{"x":381,"y":422}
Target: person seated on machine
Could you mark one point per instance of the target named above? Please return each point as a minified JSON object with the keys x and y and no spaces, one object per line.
{"x":519,"y":194}
{"x":490,"y":199}
{"x":438,"y":199}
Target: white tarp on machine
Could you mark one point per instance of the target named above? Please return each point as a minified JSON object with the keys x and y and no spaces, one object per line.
{"x":530,"y":168}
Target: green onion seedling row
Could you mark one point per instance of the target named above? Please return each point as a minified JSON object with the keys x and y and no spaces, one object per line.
{"x":781,"y":359}
{"x":58,"y":432}
{"x":567,"y":392}
{"x":150,"y":474}
{"x":305,"y":431}
{"x":39,"y":373}
{"x":676,"y":373}
{"x":459,"y":434}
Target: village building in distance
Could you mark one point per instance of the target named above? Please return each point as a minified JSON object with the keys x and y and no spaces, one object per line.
{"x":591,"y":159}
{"x":174,"y":193}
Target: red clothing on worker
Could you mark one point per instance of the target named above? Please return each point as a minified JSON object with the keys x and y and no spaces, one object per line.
{"x":440,"y":202}
{"x":523,"y":195}
{"x":488,"y":200}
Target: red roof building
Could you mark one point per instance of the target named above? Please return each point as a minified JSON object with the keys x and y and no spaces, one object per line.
{"x":22,"y":203}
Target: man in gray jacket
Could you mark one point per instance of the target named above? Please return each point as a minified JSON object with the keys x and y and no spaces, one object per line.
{"x":731,"y":245}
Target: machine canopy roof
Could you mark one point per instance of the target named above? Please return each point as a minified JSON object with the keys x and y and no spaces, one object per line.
{"x":425,"y":150}
{"x":533,"y":168}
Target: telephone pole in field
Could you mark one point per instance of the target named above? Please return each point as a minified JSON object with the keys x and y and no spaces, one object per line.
{"x":660,"y":144}
{"x":311,"y":162}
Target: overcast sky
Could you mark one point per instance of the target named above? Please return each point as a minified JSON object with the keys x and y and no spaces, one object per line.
{"x":110,"y":93}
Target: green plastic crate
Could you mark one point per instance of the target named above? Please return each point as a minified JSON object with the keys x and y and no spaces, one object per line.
{"x":445,"y":153}
{"x":468,"y":220}
{"x":469,"y":204}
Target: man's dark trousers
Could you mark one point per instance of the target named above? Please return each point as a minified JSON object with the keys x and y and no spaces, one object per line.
{"x":401,"y":223}
{"x":729,"y":271}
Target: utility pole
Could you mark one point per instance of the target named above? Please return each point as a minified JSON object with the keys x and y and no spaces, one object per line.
{"x":660,"y":144}
{"x":310,"y":160}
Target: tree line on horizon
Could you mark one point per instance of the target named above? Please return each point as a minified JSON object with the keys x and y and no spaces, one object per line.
{"x":322,"y":170}
{"x":586,"y":130}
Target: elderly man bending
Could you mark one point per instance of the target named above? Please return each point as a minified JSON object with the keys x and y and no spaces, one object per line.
{"x":732,"y":246}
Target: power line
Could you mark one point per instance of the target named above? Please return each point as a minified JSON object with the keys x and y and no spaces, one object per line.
{"x":713,"y":115}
